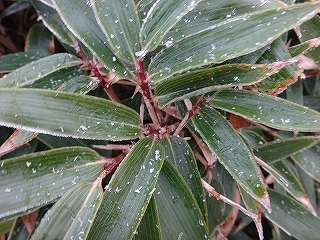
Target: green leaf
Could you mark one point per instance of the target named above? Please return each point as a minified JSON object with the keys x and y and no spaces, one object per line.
{"x":294,"y":93}
{"x":253,"y":136}
{"x":280,"y":170}
{"x":304,"y":47}
{"x":312,"y":102}
{"x":161,"y":17}
{"x":80,"y":84}
{"x":10,"y":62}
{"x":277,"y":150}
{"x":120,"y":23}
{"x":37,"y":179}
{"x":250,"y":58}
{"x":309,"y":30}
{"x":38,"y":69}
{"x":129,"y":191}
{"x":6,"y":226}
{"x":28,"y":147}
{"x":53,"y":22}
{"x":310,"y":185}
{"x":207,"y":80}
{"x":73,"y":12}
{"x":56,"y":79}
{"x":178,"y":211}
{"x":179,"y":153}
{"x":72,"y":216}
{"x":207,"y":13}
{"x":292,"y":217}
{"x":68,"y":115}
{"x":216,"y":208}
{"x":39,"y":38}
{"x":255,"y":207}
{"x":228,"y":185}
{"x":148,"y":227}
{"x":251,"y":204}
{"x":291,"y":183}
{"x":308,"y":160}
{"x":58,"y":142}
{"x":268,"y":110}
{"x":16,"y":140}
{"x":288,"y":75}
{"x":235,"y":35}
{"x":231,"y":151}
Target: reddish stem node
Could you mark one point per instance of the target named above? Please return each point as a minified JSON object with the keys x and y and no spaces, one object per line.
{"x":146,"y":92}
{"x":114,"y":162}
{"x":92,"y":67}
{"x":196,"y":107}
{"x":143,"y":82}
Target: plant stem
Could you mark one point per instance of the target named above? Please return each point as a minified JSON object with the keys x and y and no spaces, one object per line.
{"x":192,"y":110}
{"x":114,"y":162}
{"x":146,"y":92}
{"x":218,"y":196}
{"x":106,"y":86}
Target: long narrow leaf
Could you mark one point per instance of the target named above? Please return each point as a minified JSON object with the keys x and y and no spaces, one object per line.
{"x":128,"y":192}
{"x":37,"y":179}
{"x":78,"y":16}
{"x":267,"y":110}
{"x":38,"y":69}
{"x":16,"y":140}
{"x":216,"y":208}
{"x":228,"y":186}
{"x":207,"y":13}
{"x":232,"y":152}
{"x":280,"y":170}
{"x":72,"y":216}
{"x":278,"y":150}
{"x":161,"y":17}
{"x":308,"y":160}
{"x":55,"y":79}
{"x":79,"y":84}
{"x":288,"y":75}
{"x":309,"y":30}
{"x":120,"y":23}
{"x":148,"y":226}
{"x":304,"y":47}
{"x":10,"y":62}
{"x":291,"y":183}
{"x":53,"y":22}
{"x":255,"y":207}
{"x":180,"y":154}
{"x":202,"y":81}
{"x":292,"y":217}
{"x":179,"y":214}
{"x":68,"y":115}
{"x":232,"y":37}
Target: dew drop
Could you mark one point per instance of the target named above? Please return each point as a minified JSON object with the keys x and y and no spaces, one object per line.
{"x":201,"y":222}
{"x":138,"y":190}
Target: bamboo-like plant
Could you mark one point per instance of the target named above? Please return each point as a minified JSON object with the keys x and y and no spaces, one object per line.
{"x":161,"y":120}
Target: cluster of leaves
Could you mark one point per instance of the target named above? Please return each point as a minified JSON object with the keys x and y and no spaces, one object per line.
{"x":108,"y":131}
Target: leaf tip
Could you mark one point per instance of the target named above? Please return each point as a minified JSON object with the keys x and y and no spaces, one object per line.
{"x":306,"y":201}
